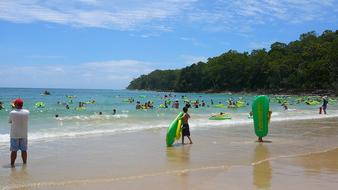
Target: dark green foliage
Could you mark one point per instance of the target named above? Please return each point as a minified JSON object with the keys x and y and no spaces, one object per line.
{"x":156,"y":80}
{"x":310,"y":63}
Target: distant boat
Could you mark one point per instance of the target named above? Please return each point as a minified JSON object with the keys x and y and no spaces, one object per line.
{"x":45,"y":93}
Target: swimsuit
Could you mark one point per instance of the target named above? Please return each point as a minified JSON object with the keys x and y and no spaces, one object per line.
{"x":185,"y":130}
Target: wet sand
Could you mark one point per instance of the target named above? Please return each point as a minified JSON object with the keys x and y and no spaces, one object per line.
{"x":297,"y":155}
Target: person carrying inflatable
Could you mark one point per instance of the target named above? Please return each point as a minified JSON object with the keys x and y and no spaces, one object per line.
{"x":185,"y":126}
{"x":261,"y":116}
{"x":260,"y":139}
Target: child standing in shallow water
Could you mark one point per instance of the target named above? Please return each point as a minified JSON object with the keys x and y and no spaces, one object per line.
{"x":185,"y":126}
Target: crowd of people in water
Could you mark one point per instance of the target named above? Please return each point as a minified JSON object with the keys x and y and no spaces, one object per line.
{"x":67,"y":104}
{"x":172,"y":101}
{"x":231,"y":103}
{"x":169,"y":103}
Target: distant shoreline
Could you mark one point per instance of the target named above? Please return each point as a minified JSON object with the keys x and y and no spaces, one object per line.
{"x":319,"y":92}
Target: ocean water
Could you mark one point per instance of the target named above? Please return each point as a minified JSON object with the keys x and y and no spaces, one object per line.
{"x":74,"y":123}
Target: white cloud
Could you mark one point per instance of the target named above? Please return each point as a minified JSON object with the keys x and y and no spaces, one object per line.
{"x":245,"y":15}
{"x":114,"y":74}
{"x":118,"y":14}
{"x":161,"y":15}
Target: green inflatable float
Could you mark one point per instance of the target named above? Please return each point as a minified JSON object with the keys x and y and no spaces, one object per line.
{"x":173,"y":130}
{"x":312,"y":103}
{"x":260,"y":110}
{"x":40,"y":104}
{"x":220,"y":117}
{"x":240,"y":104}
{"x":219,"y":106}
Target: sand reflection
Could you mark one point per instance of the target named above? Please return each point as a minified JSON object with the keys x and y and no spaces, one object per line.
{"x":179,"y":155}
{"x":18,"y":175}
{"x":178,"y":158}
{"x":262,"y":172}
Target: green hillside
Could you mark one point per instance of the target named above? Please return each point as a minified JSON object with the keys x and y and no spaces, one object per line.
{"x":310,"y":63}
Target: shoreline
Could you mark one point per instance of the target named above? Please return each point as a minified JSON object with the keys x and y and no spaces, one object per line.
{"x":36,"y":138}
{"x":315,"y":92}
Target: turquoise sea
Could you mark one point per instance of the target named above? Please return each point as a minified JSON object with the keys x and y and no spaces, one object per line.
{"x":74,"y":123}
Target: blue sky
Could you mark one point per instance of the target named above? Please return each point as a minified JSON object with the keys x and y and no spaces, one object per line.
{"x":107,"y":43}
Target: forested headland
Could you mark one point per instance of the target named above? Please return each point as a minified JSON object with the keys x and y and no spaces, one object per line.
{"x":305,"y":65}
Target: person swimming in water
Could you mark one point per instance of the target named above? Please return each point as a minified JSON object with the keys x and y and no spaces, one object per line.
{"x":187,"y":104}
{"x":1,"y":105}
{"x":176,"y":104}
{"x":203,"y":103}
{"x":138,"y":105}
{"x":285,"y":106}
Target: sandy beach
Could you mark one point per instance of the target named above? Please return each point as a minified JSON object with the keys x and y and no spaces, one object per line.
{"x":297,"y":155}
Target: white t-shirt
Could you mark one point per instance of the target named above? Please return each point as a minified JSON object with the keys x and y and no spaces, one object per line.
{"x":19,"y":123}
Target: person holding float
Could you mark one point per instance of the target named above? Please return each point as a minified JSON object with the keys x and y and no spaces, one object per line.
{"x":261,"y":116}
